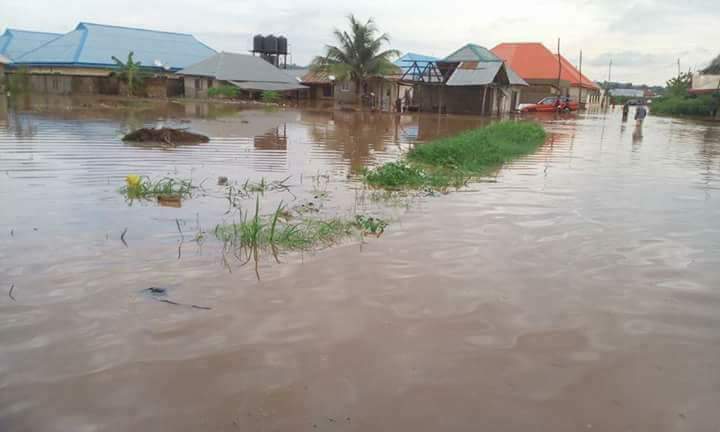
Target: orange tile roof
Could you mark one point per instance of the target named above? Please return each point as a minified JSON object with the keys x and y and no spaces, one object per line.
{"x":531,"y":60}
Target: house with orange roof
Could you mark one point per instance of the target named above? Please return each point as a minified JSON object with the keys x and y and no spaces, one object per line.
{"x":547,"y":76}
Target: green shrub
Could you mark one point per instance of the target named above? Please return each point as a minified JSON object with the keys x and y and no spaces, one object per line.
{"x":224,"y":91}
{"x":686,"y":105}
{"x":269,"y":96}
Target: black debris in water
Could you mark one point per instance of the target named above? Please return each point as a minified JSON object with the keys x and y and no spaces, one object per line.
{"x":169,"y":136}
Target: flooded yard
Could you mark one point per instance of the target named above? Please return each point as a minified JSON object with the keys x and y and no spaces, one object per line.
{"x":574,"y":289}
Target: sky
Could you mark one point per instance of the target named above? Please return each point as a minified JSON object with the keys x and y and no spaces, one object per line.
{"x":643,"y":38}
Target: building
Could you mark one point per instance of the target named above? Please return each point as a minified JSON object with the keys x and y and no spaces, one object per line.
{"x":250,"y":74}
{"x":320,"y":85}
{"x":705,"y":84}
{"x":14,"y":43}
{"x":81,"y":62}
{"x":471,"y":80}
{"x":538,"y":66}
{"x":628,"y":93}
{"x":4,"y":61}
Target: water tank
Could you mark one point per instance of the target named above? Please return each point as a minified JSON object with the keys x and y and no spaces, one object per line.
{"x":258,"y":42}
{"x":271,"y":44}
{"x":282,"y":45}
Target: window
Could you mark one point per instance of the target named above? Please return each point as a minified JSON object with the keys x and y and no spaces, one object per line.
{"x":55,"y":84}
{"x":345,"y":86}
{"x":327,"y":91}
{"x":198,"y":84}
{"x":210,"y":83}
{"x":548,"y":101}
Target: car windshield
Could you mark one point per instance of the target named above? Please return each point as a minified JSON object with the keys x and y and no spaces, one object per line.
{"x":548,"y":101}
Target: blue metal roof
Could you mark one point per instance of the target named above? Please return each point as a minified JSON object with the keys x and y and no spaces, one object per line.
{"x":406,"y":61}
{"x":94,"y":45}
{"x":14,"y":43}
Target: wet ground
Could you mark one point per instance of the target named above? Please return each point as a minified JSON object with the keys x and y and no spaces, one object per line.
{"x":577,"y":289}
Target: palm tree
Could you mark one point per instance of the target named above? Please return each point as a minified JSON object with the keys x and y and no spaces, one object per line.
{"x":129,"y":71}
{"x":359,"y":54}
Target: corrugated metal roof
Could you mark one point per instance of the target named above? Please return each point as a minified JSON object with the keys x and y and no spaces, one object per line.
{"x":316,"y":77}
{"x":14,"y":43}
{"x":267,"y":86}
{"x":514,"y":78}
{"x":482,"y":74}
{"x":472,"y":52}
{"x":406,"y":61}
{"x":238,"y":67}
{"x":95,"y":45}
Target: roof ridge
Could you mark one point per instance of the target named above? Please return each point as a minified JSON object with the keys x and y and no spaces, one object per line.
{"x":84,"y":23}
{"x":9,"y":29}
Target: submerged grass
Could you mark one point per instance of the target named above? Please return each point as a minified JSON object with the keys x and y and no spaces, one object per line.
{"x":140,"y":187}
{"x":280,"y":232}
{"x":452,"y":161}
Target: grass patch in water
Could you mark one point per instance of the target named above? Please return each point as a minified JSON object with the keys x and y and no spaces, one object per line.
{"x":452,"y":161}
{"x":141,"y":187}
{"x":280,"y":232}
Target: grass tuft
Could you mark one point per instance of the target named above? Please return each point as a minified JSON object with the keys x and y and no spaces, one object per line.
{"x":166,"y":188}
{"x":452,"y":161}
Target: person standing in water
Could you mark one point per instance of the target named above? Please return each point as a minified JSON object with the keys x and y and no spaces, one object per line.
{"x":626,"y":111}
{"x":640,"y":114}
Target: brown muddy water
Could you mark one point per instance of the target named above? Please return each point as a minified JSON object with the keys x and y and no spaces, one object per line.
{"x":577,"y":289}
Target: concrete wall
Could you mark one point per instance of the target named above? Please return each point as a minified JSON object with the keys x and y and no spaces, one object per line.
{"x":589,"y":97}
{"x":197,"y":87}
{"x":485,"y":100}
{"x":317,"y":91}
{"x":381,"y":93}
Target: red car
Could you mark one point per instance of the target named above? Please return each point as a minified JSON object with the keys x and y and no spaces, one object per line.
{"x":550,"y":104}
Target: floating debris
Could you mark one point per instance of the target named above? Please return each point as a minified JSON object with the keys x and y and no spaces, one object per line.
{"x":168,"y":136}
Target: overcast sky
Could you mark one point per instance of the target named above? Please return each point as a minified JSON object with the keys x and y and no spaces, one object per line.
{"x":644,"y":38}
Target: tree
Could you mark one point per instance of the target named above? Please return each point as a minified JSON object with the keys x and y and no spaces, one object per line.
{"x":679,"y":85}
{"x":359,"y":54}
{"x":129,"y":72}
{"x":714,"y":68}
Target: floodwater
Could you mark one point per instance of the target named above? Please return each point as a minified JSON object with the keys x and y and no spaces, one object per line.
{"x":575,"y":289}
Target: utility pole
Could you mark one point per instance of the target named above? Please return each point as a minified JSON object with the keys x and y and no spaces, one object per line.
{"x":559,"y":68}
{"x":679,"y":73}
{"x":581,"y":82}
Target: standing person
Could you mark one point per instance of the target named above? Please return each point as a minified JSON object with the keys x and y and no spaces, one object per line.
{"x":640,"y":114}
{"x":398,"y":105}
{"x":626,"y":111}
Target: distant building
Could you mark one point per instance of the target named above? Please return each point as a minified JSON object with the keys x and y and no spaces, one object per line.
{"x":250,"y":74}
{"x":81,"y":62}
{"x":321,"y":85}
{"x":705,"y":84}
{"x":14,"y":43}
{"x":629,"y":93}
{"x":471,"y":80}
{"x":539,"y":67}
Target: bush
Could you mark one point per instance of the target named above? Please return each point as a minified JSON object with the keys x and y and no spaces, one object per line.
{"x":686,"y":105}
{"x":224,"y":91}
{"x":269,"y":96}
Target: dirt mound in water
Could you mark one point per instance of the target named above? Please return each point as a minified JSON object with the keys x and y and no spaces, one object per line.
{"x":165,"y":135}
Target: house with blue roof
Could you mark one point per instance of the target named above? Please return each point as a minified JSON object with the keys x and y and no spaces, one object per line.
{"x":14,"y":42}
{"x":81,"y":61}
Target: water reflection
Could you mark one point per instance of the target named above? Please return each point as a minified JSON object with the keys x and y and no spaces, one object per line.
{"x":601,"y":246}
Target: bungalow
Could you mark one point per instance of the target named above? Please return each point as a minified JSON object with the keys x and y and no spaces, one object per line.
{"x":472,"y":80}
{"x":250,"y":74}
{"x":538,"y":66}
{"x":321,"y":85}
{"x":81,"y":62}
{"x":14,"y":43}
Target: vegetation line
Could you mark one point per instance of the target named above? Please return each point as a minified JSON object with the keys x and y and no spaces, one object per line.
{"x":453,"y":161}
